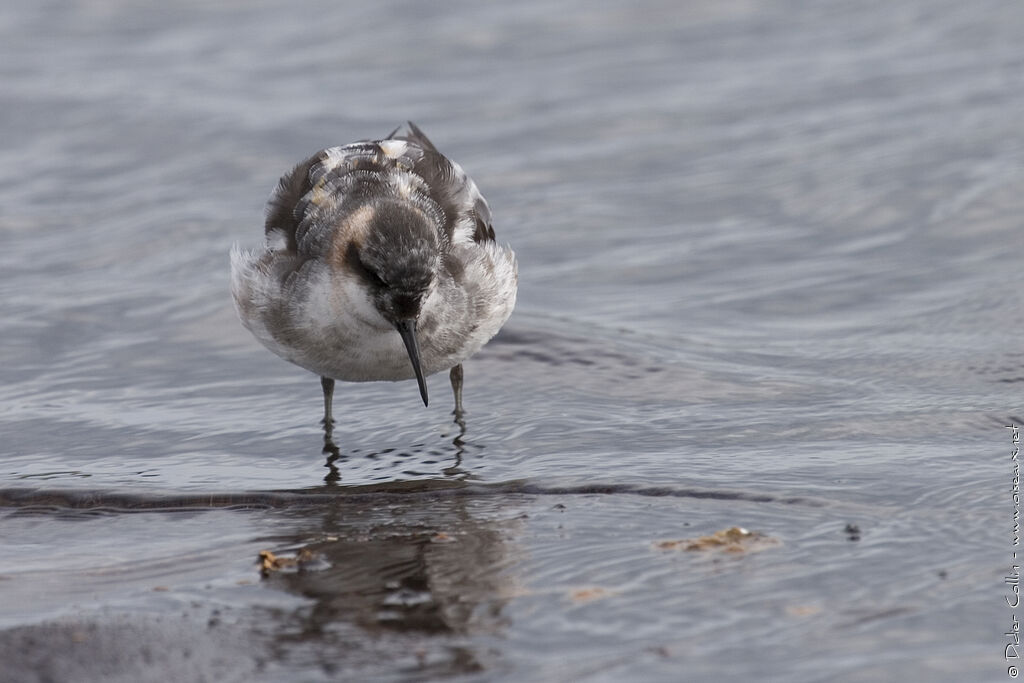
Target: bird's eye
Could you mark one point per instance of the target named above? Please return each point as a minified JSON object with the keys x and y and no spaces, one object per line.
{"x":375,"y":278}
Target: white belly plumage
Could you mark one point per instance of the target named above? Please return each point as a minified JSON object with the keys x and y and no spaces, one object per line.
{"x":324,"y":322}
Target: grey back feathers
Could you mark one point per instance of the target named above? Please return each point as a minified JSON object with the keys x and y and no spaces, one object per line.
{"x":321,"y":190}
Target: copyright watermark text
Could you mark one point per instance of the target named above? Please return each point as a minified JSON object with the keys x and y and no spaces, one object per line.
{"x":1012,"y":651}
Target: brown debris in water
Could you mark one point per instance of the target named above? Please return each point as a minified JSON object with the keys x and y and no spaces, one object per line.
{"x":590,"y":594}
{"x":735,"y":539}
{"x":269,"y":562}
{"x":802,"y":610}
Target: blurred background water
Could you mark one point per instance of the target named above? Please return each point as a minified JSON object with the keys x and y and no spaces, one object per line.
{"x":769,"y":277}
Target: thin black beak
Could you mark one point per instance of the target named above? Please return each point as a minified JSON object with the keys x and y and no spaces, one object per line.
{"x":407,"y":328}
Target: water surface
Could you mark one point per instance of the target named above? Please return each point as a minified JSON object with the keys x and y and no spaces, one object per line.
{"x":770,"y":278}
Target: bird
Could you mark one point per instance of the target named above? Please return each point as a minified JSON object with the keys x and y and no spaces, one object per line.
{"x":379,"y":263}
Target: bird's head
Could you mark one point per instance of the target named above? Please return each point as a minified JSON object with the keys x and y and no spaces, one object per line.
{"x":398,"y":259}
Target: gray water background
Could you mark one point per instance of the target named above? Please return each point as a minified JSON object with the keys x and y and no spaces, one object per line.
{"x":769,"y":277}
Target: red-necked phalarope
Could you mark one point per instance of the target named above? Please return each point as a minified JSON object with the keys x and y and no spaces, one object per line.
{"x":380,"y":263}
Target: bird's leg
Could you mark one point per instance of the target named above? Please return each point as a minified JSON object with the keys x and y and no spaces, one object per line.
{"x":456,"y":377}
{"x":328,"y":386}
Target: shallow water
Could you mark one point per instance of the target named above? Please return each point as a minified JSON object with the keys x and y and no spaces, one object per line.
{"x":769,"y":277}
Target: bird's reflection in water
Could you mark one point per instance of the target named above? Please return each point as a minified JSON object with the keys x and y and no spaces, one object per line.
{"x":336,"y":458}
{"x":417,"y":578}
